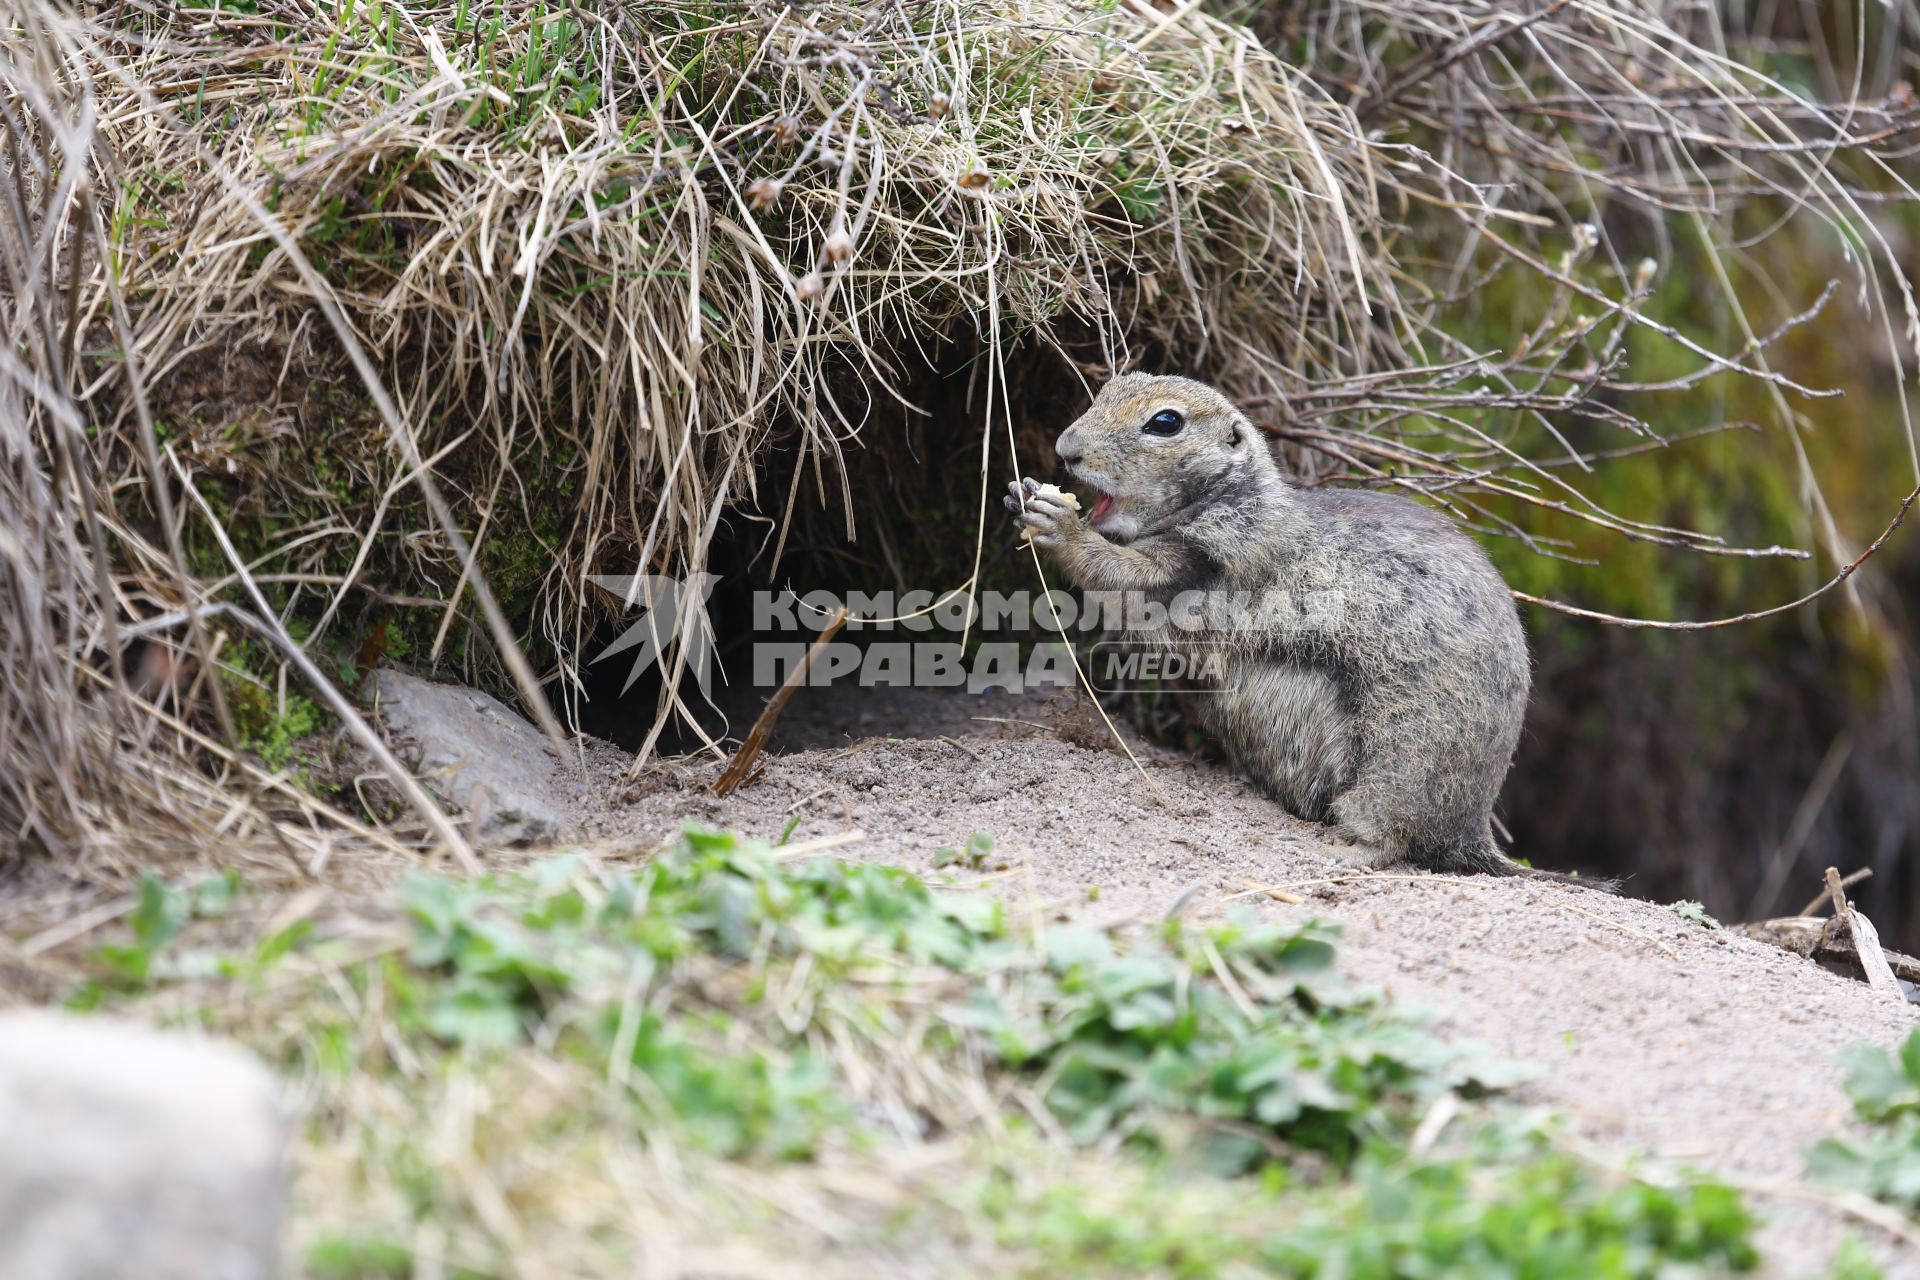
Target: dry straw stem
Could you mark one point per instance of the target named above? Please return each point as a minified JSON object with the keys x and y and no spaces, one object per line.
{"x":1825,"y":897}
{"x":268,"y":627}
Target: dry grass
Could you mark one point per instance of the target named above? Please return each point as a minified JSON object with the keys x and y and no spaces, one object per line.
{"x":411,"y":293}
{"x":1645,"y":138}
{"x":627,"y":259}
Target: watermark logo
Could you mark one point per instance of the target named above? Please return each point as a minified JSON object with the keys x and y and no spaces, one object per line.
{"x":672,"y":611}
{"x":1130,"y":639}
{"x":1122,"y":666}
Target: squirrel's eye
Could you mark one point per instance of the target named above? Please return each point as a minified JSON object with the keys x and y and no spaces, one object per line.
{"x":1164,"y":423}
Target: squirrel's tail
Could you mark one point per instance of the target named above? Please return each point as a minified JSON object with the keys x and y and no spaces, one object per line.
{"x":1600,"y":883}
{"x":1488,"y":860}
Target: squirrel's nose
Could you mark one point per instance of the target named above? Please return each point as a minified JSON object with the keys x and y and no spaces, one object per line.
{"x":1067,"y":448}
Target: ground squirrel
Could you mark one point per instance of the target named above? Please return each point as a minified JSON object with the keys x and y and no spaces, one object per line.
{"x":1379,"y":679}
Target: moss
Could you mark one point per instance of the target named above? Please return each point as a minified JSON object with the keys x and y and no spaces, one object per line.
{"x":273,"y":728}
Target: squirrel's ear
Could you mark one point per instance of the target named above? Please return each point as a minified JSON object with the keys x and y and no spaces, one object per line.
{"x":1233,"y":434}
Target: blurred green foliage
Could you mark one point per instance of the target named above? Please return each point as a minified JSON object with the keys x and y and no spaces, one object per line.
{"x":1253,"y":1111}
{"x":1884,"y":1161}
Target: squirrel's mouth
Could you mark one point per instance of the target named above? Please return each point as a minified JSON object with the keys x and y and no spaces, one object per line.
{"x":1102,"y":508}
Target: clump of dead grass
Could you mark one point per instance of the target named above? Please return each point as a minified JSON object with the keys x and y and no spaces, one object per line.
{"x":520,"y":293}
{"x":608,"y":263}
{"x":98,"y":756}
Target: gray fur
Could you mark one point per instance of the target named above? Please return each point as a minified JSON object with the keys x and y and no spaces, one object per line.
{"x":1387,"y":699}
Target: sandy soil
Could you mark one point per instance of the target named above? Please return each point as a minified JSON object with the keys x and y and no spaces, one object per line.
{"x":1656,"y":1035}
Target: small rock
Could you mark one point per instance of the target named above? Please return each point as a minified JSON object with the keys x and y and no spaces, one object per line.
{"x":479,"y":754}
{"x":126,"y":1151}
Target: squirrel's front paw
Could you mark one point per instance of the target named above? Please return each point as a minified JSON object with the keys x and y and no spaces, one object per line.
{"x":1044,"y":514}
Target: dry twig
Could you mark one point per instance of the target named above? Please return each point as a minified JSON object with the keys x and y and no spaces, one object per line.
{"x":1866,"y":941}
{"x":736,"y":771}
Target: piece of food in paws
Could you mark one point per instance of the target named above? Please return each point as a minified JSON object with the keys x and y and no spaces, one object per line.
{"x":1058,"y":494}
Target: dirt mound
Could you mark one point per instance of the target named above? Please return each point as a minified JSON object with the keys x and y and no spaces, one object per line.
{"x":1654,"y":1035}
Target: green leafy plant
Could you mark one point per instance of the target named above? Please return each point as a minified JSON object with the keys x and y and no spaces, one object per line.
{"x":1687,"y":909}
{"x":1853,"y":1262}
{"x":1240,"y":1027}
{"x":159,"y":913}
{"x":973,"y":854}
{"x":1500,"y":1202}
{"x":729,"y":1001}
{"x":1884,"y":1162}
{"x":1239,"y":1032}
